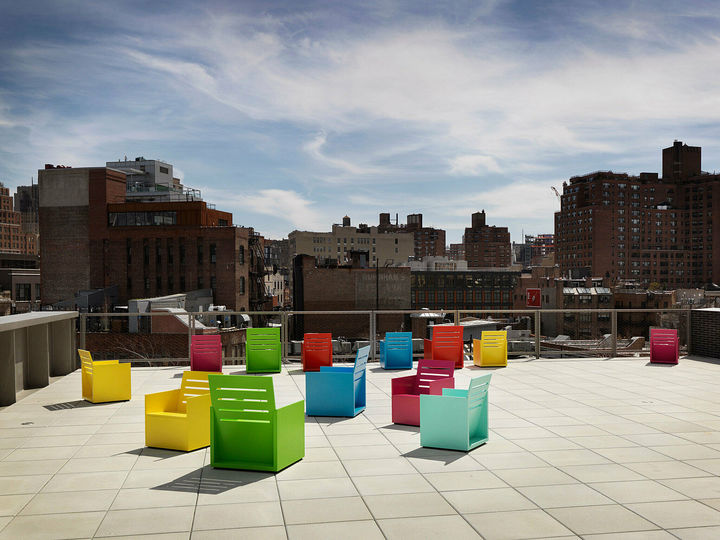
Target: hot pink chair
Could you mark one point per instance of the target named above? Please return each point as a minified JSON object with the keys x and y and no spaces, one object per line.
{"x":432,"y":376}
{"x":664,"y":346}
{"x":206,"y":353}
{"x":446,"y":344}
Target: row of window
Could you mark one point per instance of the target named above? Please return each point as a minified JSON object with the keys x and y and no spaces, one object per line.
{"x":141,"y":219}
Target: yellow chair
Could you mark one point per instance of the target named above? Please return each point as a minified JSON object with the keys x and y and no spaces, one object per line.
{"x":104,"y":380}
{"x":491,"y":350}
{"x":180,"y":419}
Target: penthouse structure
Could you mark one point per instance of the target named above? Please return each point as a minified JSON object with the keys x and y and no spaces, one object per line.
{"x":643,"y":228}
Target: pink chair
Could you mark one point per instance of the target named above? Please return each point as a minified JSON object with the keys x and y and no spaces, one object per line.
{"x":446,"y":344}
{"x":432,"y":376}
{"x":664,"y":346}
{"x":206,"y":353}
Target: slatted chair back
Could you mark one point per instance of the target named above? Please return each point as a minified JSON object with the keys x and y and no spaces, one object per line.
{"x":477,"y":397}
{"x":447,"y":343}
{"x":206,"y":352}
{"x":316,"y":350}
{"x":398,"y":349}
{"x":86,"y":366}
{"x":494,"y":339}
{"x":194,"y":383}
{"x":263,"y":339}
{"x":242,"y":398}
{"x":663,"y":336}
{"x":664,"y":345}
{"x":359,"y":375}
{"x":429,"y":371}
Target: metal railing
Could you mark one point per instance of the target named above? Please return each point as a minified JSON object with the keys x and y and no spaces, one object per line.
{"x":537,"y":333}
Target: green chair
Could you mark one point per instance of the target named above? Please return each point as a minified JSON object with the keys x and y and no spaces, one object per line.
{"x":457,"y":419}
{"x":247,"y":431}
{"x":262,"y":350}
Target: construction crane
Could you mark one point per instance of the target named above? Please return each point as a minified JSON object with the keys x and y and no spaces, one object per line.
{"x":556,"y":192}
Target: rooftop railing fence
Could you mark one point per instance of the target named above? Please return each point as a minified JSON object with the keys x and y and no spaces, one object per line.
{"x":163,"y":338}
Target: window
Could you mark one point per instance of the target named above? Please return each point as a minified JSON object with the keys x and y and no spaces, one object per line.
{"x":170,"y":252}
{"x":241,"y":254}
{"x":182,"y":283}
{"x":146,"y":253}
{"x":241,"y":285}
{"x":213,"y":253}
{"x":182,"y":254}
{"x":164,"y":170}
{"x":199,"y":252}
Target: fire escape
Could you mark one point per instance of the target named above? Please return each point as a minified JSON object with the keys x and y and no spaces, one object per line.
{"x":258,"y":294}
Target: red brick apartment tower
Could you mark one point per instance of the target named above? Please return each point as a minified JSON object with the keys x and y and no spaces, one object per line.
{"x":91,"y":238}
{"x":485,"y":246}
{"x":429,"y":241}
{"x":12,"y":237}
{"x":643,"y":228}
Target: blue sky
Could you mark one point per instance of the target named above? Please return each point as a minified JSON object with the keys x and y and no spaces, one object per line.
{"x":292,"y":114}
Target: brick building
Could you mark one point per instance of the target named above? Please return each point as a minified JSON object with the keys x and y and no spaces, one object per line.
{"x":429,"y":242}
{"x":464,"y":289}
{"x":13,"y":239}
{"x":643,"y":228}
{"x":348,"y":288}
{"x":91,"y":238}
{"x":486,"y":246}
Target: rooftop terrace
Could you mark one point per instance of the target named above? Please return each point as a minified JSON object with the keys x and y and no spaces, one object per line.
{"x":591,"y":448}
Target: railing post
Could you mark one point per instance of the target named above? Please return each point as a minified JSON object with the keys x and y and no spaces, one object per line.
{"x":456,"y":317}
{"x":83,"y":330}
{"x":191,"y":325}
{"x":373,"y":331}
{"x":283,"y":335}
{"x":688,"y":331}
{"x":537,"y":334}
{"x":613,"y":332}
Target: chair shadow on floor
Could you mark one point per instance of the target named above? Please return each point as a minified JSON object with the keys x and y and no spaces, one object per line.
{"x":209,"y":481}
{"x":436,"y":454}
{"x":78,"y":404}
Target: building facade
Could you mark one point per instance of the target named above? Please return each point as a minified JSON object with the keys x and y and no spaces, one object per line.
{"x":91,"y":238}
{"x":429,"y":242}
{"x":13,"y":239}
{"x":487,"y":288}
{"x":486,"y":246}
{"x":643,"y":228}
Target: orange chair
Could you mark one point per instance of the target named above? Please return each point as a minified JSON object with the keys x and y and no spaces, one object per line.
{"x":446,"y":344}
{"x":316,"y":351}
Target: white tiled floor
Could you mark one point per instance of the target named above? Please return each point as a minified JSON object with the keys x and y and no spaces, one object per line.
{"x":579,"y":448}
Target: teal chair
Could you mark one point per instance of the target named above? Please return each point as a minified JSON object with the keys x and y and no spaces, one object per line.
{"x":247,"y":431}
{"x":337,"y":391}
{"x":457,"y":419}
{"x":262,"y":350}
{"x":396,"y":351}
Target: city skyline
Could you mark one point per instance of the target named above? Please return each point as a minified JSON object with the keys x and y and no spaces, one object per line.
{"x":293,"y":117}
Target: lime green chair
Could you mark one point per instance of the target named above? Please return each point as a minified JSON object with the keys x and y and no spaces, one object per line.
{"x":247,"y":431}
{"x":262,"y":350}
{"x":457,"y":419}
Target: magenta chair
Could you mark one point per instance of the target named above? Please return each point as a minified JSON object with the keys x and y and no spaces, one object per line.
{"x":206,"y":353}
{"x":432,"y":376}
{"x":664,"y":346}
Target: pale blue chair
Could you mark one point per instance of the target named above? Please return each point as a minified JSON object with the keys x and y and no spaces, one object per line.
{"x":396,"y":351}
{"x":457,"y":419}
{"x":337,"y":391}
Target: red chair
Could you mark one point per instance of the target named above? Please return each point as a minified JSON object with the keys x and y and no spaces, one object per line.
{"x":206,"y":353}
{"x":446,"y":344}
{"x":316,"y":351}
{"x":432,"y":376}
{"x":664,"y":346}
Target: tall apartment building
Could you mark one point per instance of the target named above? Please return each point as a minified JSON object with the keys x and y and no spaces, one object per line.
{"x":429,"y":242}
{"x":91,"y":238}
{"x":456,"y":252}
{"x":13,"y":240}
{"x":486,"y":246}
{"x":643,"y":229}
{"x":382,"y":248}
{"x":27,"y":199}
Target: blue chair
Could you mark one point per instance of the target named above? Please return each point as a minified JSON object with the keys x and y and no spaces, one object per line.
{"x":396,"y":351}
{"x":337,"y":391}
{"x":457,"y":419}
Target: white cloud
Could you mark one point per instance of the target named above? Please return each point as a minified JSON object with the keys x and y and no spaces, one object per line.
{"x":471,"y":165}
{"x":315,"y":149}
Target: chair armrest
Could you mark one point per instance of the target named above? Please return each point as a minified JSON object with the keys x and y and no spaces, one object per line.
{"x":162,"y":401}
{"x":454,"y":392}
{"x":455,"y":407}
{"x":427,"y":348}
{"x":112,"y":368}
{"x":105,"y":362}
{"x":198,"y":405}
{"x":290,"y":410}
{"x":335,"y":369}
{"x":436,"y":387}
{"x":402,"y":385}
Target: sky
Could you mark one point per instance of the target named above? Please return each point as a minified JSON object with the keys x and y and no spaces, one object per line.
{"x":292,"y":114}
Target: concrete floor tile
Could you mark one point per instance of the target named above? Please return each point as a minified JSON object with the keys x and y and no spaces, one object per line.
{"x":695,"y":488}
{"x":459,"y":480}
{"x":599,"y":473}
{"x":237,"y":515}
{"x":348,"y":530}
{"x":247,"y":533}
{"x":127,"y":499}
{"x":316,"y":489}
{"x":518,"y":524}
{"x":19,"y":485}
{"x":564,"y":495}
{"x":408,"y":505}
{"x":310,"y":470}
{"x":637,"y":491}
{"x":584,"y":520}
{"x":11,"y":505}
{"x":535,"y":476}
{"x":677,"y":514}
{"x":325,"y":510}
{"x":392,"y":484}
{"x":53,"y":526}
{"x":488,"y":500}
{"x":146,"y":521}
{"x":697,"y":533}
{"x":427,"y":527}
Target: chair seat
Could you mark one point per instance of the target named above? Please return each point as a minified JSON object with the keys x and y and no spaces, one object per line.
{"x":168,"y":414}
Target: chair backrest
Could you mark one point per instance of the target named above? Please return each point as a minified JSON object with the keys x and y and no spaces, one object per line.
{"x":206,"y":346}
{"x":359,"y":375}
{"x":263,"y":338}
{"x":477,"y":405}
{"x":86,"y":361}
{"x":398,"y":341}
{"x":660,"y":336}
{"x":242,"y":398}
{"x":431,"y":370}
{"x":447,"y":342}
{"x":317,"y":344}
{"x":194,"y":383}
{"x":494,"y":338}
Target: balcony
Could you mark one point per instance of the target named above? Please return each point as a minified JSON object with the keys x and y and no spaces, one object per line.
{"x":578,"y":447}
